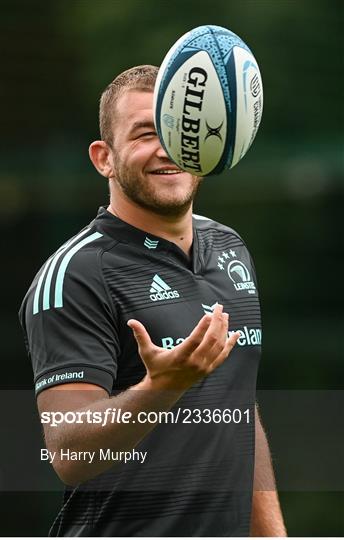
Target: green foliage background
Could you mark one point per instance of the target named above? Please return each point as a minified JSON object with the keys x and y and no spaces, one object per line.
{"x":285,"y":197}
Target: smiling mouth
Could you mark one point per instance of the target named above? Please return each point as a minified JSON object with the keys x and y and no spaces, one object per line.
{"x":166,"y":171}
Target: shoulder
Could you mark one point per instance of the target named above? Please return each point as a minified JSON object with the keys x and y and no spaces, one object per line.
{"x":74,"y":265}
{"x":223,"y":241}
{"x":206,"y":225}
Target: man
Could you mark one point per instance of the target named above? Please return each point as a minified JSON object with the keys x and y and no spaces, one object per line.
{"x":131,"y":315}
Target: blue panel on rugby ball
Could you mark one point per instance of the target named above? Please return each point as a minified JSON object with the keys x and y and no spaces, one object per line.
{"x":208,"y":100}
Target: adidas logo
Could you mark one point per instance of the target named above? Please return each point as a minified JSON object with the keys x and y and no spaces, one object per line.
{"x":160,"y":290}
{"x":150,"y":244}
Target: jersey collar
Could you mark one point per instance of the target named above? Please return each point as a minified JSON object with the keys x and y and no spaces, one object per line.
{"x":124,"y":232}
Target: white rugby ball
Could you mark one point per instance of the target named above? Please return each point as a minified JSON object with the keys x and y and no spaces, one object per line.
{"x":208,"y":100}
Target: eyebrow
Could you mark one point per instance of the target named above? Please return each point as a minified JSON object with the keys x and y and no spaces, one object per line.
{"x":142,"y":124}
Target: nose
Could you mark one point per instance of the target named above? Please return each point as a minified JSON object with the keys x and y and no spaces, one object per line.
{"x":161,"y":152}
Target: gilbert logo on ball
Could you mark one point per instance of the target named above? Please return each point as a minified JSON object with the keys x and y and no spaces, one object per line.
{"x":208,"y":100}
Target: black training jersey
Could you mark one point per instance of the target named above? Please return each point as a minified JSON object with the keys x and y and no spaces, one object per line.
{"x":197,"y":476}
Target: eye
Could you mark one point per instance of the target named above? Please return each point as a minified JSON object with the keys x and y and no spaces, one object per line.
{"x":148,"y":134}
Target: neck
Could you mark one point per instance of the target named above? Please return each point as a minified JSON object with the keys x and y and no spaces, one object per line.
{"x":177,"y":229}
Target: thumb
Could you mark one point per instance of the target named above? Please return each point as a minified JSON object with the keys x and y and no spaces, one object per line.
{"x":141,"y":335}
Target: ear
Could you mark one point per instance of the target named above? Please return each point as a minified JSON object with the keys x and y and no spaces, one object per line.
{"x":101,"y":157}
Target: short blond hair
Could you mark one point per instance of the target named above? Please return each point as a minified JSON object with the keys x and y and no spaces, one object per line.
{"x":140,"y":78}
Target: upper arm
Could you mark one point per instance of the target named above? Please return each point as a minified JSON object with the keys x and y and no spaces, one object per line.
{"x":67,"y":397}
{"x":70,"y":326}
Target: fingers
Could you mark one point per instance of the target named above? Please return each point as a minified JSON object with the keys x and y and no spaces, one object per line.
{"x":141,"y":335}
{"x":220,"y":331}
{"x":230,"y":343}
{"x":195,"y":338}
{"x":199,"y":354}
{"x":215,"y":338}
{"x":221,"y":338}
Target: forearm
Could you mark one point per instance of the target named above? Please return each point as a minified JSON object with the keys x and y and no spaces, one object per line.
{"x":266,"y":519}
{"x":116,"y":436}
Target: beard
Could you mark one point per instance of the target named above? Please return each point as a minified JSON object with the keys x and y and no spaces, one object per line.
{"x":145,"y":193}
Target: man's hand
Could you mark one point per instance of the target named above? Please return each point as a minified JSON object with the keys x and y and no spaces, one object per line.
{"x":206,"y":348}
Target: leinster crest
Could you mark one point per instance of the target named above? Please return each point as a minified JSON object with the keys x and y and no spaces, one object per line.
{"x":237,"y":271}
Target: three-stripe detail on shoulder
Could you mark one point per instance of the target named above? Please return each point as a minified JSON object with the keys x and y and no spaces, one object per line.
{"x":68,"y":250}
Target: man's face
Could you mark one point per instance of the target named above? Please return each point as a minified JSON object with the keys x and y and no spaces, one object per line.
{"x":142,"y":168}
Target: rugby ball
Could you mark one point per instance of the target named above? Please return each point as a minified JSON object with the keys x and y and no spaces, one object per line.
{"x":208,"y":100}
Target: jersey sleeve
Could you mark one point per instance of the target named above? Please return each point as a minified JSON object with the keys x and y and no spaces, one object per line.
{"x":70,"y":326}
